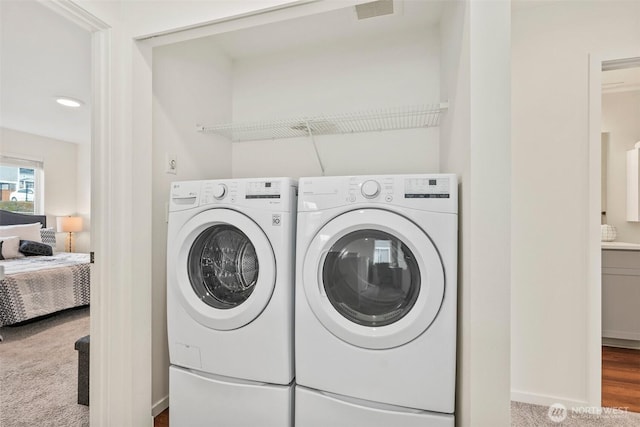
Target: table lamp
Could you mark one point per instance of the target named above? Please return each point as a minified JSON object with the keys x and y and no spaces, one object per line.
{"x":69,"y":224}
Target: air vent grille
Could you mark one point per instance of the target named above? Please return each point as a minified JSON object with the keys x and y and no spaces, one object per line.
{"x":374,"y":8}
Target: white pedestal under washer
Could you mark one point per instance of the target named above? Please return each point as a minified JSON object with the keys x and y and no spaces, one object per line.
{"x":376,"y":295}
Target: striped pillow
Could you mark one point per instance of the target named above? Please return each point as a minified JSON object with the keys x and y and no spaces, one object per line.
{"x":48,"y":236}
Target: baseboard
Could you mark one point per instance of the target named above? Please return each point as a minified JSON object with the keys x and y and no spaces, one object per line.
{"x":546,"y":400}
{"x":160,"y":406}
{"x":613,"y":342}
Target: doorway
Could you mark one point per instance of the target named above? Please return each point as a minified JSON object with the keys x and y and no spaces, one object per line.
{"x":620,"y":232}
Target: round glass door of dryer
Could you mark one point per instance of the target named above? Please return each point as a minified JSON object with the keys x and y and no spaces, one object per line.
{"x":223,"y":267}
{"x":371,"y":277}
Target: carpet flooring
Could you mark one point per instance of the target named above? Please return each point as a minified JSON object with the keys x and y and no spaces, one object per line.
{"x":38,"y":372}
{"x":525,"y":415}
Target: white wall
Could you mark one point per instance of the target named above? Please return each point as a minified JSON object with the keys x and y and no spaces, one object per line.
{"x":395,"y":70}
{"x":475,"y":145}
{"x":63,"y":187}
{"x":191,"y":84}
{"x":455,"y":158}
{"x":83,"y":197}
{"x":550,"y":198}
{"x":620,"y":113}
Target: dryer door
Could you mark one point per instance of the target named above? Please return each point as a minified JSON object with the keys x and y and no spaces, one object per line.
{"x":225,"y":269}
{"x":373,"y":278}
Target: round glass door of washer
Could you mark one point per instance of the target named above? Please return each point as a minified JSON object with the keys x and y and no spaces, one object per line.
{"x":225,"y":269}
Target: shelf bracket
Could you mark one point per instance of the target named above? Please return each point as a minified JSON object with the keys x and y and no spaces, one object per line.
{"x":315,"y":147}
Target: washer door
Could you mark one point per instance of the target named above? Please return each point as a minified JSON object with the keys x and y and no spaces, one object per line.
{"x":225,"y":269}
{"x":373,"y":278}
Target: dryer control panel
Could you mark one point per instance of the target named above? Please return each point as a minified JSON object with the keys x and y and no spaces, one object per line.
{"x":431,"y":192}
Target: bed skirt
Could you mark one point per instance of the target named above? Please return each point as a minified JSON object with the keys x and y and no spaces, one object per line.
{"x":27,"y":295}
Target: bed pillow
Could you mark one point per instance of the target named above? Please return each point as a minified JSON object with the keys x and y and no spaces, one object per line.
{"x":48,"y":236}
{"x":23,"y":231}
{"x":10,"y":247}
{"x":31,"y":248}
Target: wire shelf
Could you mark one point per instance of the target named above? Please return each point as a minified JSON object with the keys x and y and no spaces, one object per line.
{"x":422,"y":116}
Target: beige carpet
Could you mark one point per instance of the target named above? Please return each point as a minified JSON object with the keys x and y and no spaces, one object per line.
{"x":525,"y":415}
{"x":38,"y":372}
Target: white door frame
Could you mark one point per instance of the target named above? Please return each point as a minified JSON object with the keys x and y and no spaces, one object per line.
{"x":594,"y":261}
{"x":112,"y":389}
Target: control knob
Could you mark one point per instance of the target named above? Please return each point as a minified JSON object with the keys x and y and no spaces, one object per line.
{"x":370,"y":189}
{"x":220,"y":191}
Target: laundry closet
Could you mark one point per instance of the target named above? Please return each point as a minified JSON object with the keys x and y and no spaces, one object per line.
{"x":330,"y":93}
{"x":309,"y":90}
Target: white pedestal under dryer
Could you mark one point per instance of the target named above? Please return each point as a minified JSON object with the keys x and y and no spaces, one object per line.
{"x":376,"y":293}
{"x":230,"y":270}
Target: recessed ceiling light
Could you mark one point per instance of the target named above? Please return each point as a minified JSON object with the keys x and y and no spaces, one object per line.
{"x":69,"y":102}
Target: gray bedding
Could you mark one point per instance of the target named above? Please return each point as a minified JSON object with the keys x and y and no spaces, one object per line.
{"x":39,"y":285}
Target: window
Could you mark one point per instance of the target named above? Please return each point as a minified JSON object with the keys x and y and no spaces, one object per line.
{"x":21,"y":183}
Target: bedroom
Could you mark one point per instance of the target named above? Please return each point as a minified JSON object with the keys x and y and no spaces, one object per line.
{"x":45,"y":147}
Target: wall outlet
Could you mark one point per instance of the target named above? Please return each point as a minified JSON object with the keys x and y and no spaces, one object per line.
{"x":171,"y":163}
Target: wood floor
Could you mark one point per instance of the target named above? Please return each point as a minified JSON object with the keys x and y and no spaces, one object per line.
{"x":162,"y":420}
{"x":620,"y":381}
{"x":621,"y":378}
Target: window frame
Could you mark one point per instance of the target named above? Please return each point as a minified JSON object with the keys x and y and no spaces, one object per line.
{"x":37,"y":165}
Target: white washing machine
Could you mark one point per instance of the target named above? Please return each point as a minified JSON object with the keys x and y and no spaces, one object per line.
{"x":376,"y":286}
{"x":230,"y":273}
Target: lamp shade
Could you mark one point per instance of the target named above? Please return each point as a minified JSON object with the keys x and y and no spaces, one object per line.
{"x":69,"y":224}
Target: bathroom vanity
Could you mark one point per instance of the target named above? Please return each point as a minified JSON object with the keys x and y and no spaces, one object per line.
{"x":621,"y":290}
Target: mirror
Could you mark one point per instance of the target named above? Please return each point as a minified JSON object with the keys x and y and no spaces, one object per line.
{"x":604,"y":158}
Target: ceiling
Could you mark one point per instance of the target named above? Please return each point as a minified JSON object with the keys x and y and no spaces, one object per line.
{"x":43,"y":55}
{"x":328,"y":28}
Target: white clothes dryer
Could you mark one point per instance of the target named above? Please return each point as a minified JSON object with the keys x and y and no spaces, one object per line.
{"x":376,"y":293}
{"x":230,"y":270}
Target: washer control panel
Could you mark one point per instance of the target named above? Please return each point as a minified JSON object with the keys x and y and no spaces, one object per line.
{"x":213,"y":191}
{"x":263,"y":190}
{"x":273,"y":194}
{"x":219,"y":191}
{"x":370,"y":189}
{"x":426,"y":188}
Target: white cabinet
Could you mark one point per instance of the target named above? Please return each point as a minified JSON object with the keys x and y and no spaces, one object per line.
{"x":621,"y":294}
{"x":633,"y":180}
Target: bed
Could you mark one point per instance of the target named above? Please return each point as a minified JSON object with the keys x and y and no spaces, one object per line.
{"x":35,"y":286}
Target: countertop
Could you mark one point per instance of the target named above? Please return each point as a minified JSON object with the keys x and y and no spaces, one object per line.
{"x":621,"y":246}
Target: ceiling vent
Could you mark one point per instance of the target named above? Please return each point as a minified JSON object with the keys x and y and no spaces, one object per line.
{"x":374,"y":8}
